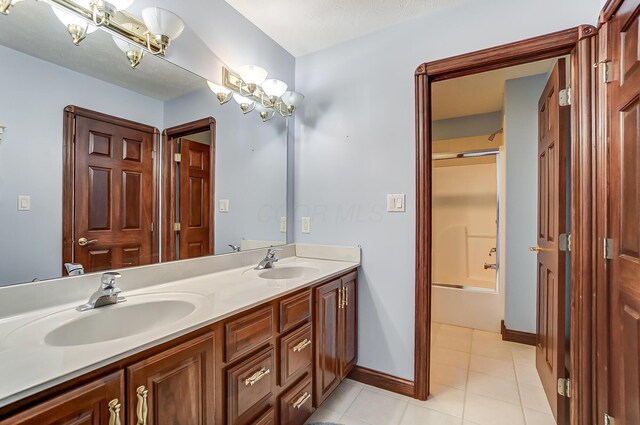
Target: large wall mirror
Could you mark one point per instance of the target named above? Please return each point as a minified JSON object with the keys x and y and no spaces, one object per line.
{"x":107,"y":167}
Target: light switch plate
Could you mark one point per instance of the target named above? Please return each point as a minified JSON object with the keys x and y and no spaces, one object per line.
{"x":24,"y":203}
{"x":283,"y":224}
{"x":224,"y":205}
{"x":306,"y":224}
{"x":396,"y":202}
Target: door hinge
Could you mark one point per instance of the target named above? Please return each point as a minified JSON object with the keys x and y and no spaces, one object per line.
{"x":564,"y":387}
{"x":565,"y":97}
{"x":609,"y":420}
{"x":607,"y":74}
{"x":153,"y":154}
{"x":608,"y":248}
{"x":177,"y":157}
{"x":176,"y":227}
{"x":152,"y":227}
{"x":565,"y":242}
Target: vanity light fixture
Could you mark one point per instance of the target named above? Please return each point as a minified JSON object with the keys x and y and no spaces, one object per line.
{"x":134,"y":53}
{"x":154,"y":35}
{"x":222,"y":93}
{"x":250,"y":85}
{"x":5,"y":5}
{"x":247,"y":105}
{"x":163,"y":26}
{"x":78,"y":27}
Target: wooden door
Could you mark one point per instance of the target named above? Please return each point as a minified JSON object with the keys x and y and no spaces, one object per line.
{"x":97,"y":403}
{"x":348,"y":327}
{"x":174,"y":387}
{"x":553,"y":137}
{"x":327,"y":340}
{"x":624,"y":391}
{"x":113,"y":193}
{"x":195,"y":200}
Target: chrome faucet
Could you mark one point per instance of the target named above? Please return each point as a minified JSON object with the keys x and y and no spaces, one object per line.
{"x":107,"y":294}
{"x":268,"y":260}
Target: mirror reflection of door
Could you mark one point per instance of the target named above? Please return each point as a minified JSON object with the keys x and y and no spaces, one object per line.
{"x":109,"y":190}
{"x":189,"y":176}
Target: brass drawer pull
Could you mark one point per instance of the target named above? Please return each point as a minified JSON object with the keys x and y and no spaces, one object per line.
{"x":302,"y":345}
{"x":114,"y":412}
{"x":142,"y":408}
{"x":339,"y":297}
{"x":302,"y":400}
{"x":346,"y":296}
{"x":256,"y":376}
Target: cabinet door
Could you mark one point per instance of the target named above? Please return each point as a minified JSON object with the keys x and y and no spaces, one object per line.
{"x":97,"y":403}
{"x":295,"y":404}
{"x":327,"y":340}
{"x":349,"y":325}
{"x":174,"y":387}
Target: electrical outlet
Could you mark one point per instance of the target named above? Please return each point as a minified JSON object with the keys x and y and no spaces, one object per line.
{"x":306,"y":224}
{"x":283,"y":224}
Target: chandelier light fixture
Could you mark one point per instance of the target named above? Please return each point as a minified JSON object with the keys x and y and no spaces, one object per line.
{"x":251,"y":89}
{"x":133,"y":36}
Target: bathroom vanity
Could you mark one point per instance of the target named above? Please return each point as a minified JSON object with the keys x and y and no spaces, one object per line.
{"x":225,"y":343}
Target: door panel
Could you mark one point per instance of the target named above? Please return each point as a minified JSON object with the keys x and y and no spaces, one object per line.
{"x":624,"y":391}
{"x":114,"y":194}
{"x":195,"y":199}
{"x":552,"y":147}
{"x":327,"y":340}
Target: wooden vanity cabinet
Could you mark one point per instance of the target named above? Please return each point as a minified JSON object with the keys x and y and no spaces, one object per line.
{"x":175,"y":386}
{"x":97,"y":403}
{"x":270,"y":365}
{"x":335,"y":319}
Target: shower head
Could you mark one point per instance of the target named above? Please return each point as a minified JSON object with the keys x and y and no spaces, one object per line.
{"x":493,"y":135}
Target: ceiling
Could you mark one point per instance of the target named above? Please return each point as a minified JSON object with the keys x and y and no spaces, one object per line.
{"x":96,"y":56}
{"x":479,"y":93}
{"x":306,"y":26}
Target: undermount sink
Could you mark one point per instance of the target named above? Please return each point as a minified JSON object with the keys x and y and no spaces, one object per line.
{"x":118,"y":321}
{"x":286,"y":272}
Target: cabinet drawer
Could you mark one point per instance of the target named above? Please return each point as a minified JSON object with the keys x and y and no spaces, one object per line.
{"x":250,"y":387}
{"x":295,"y":310}
{"x":268,"y":418}
{"x":248,"y":332}
{"x":296,"y":354}
{"x":296,"y":404}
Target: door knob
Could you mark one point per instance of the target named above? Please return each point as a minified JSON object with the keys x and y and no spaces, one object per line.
{"x":85,"y":241}
{"x":535,"y":248}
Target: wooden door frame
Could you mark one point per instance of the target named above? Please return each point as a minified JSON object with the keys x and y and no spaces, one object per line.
{"x":68,"y":176}
{"x":169,"y":183}
{"x":580,"y":43}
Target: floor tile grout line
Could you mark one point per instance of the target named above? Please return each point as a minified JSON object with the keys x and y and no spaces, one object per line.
{"x":466,"y":384}
{"x":515,"y":372}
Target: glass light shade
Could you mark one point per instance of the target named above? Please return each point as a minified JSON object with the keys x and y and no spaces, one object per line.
{"x":273,"y":87}
{"x":252,"y":74}
{"x":120,"y":4}
{"x":13,"y":2}
{"x":162,"y":22}
{"x":68,"y":18}
{"x":122,"y":44}
{"x":243,"y":100}
{"x":261,"y":108}
{"x":218,"y":89}
{"x":292,"y":98}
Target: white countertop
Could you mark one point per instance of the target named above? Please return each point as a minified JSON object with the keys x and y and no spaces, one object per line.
{"x":29,"y":365}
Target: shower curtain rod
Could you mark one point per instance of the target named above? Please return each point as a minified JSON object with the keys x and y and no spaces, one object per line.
{"x":473,"y":154}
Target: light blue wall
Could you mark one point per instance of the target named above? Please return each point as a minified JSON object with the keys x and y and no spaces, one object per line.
{"x":472,"y":125}
{"x":32,"y":107}
{"x":355,"y":143}
{"x":251,"y":167}
{"x":521,"y":135}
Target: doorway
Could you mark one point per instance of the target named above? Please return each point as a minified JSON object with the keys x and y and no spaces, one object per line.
{"x":110,"y":191}
{"x":189,"y":190}
{"x":575,"y":42}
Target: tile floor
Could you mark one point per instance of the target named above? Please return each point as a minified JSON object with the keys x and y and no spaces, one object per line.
{"x":477,"y":379}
